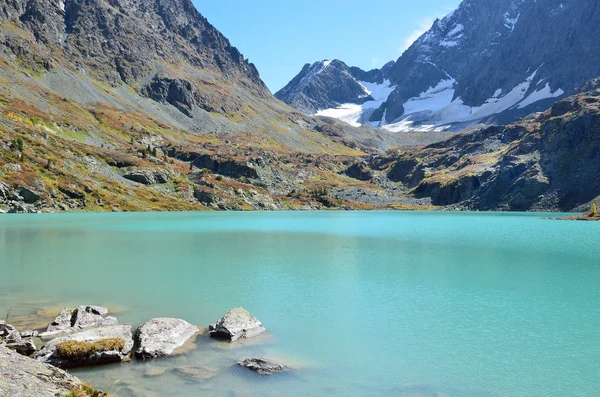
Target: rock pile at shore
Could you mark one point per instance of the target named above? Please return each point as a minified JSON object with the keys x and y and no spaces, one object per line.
{"x":87,"y":336}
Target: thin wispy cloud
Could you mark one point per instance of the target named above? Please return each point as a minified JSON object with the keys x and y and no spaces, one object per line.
{"x":424,"y":26}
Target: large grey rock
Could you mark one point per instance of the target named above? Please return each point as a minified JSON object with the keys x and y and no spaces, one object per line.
{"x":235,"y":324}
{"x":50,"y":354}
{"x":71,"y":320}
{"x":24,"y":377}
{"x":147,"y":176}
{"x":160,"y":337}
{"x":262,"y":366}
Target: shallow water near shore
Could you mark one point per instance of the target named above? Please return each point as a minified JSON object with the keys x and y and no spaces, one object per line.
{"x":361,"y":303}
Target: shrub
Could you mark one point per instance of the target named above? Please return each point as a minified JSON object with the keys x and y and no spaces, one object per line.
{"x":85,"y":391}
{"x":154,"y":152}
{"x":19,"y":145}
{"x":594,"y":209}
{"x":219,"y":178}
{"x":77,"y":350}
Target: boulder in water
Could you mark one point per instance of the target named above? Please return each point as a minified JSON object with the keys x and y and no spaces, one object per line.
{"x":94,"y":346}
{"x":235,"y":324}
{"x":160,"y":337}
{"x":262,"y":366}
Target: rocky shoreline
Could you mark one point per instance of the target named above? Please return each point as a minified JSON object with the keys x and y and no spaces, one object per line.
{"x":88,"y":336}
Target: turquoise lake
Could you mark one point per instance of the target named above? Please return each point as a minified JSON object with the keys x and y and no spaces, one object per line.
{"x":360,"y":303}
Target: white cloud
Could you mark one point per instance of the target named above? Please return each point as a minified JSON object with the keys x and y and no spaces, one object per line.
{"x":376,"y":62}
{"x":424,"y":26}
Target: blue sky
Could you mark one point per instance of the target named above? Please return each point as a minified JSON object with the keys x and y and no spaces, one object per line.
{"x":280,"y":36}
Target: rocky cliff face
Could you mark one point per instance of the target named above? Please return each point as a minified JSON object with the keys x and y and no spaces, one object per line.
{"x":122,"y":41}
{"x":547,"y":161}
{"x":491,"y":61}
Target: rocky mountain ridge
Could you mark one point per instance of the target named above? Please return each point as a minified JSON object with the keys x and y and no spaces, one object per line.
{"x":87,"y":125}
{"x":329,"y":84}
{"x":489,"y":61}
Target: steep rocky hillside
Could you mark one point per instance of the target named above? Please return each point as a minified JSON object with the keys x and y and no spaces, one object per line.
{"x":143,"y":105}
{"x":547,"y":161}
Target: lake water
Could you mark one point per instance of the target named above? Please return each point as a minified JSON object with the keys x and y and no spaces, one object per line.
{"x":362,"y":304}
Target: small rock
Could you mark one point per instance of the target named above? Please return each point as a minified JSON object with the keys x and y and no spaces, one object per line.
{"x":29,"y":334}
{"x":262,"y":366}
{"x":9,"y":333}
{"x":235,"y":324}
{"x":4,"y":190}
{"x":72,"y":320}
{"x":196,"y":373}
{"x":159,"y":337}
{"x":25,"y":347}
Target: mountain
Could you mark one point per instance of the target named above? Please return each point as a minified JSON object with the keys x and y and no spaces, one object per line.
{"x":137,"y":105}
{"x":329,"y":84}
{"x":489,"y":61}
{"x":143,"y":104}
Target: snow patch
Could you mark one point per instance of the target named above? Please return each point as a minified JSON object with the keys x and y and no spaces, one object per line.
{"x":379,"y":92}
{"x":349,"y":113}
{"x":510,"y":22}
{"x":432,"y":100}
{"x":356,"y":115}
{"x":61,"y":5}
{"x":457,"y":29}
{"x":539,"y":95}
{"x":407,"y":125}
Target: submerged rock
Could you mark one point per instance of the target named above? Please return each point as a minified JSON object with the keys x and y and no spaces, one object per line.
{"x":24,"y":377}
{"x":160,"y":337}
{"x":262,"y":366}
{"x":156,"y":371}
{"x":101,"y":345}
{"x":196,"y":373}
{"x":72,"y":320}
{"x":235,"y":324}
